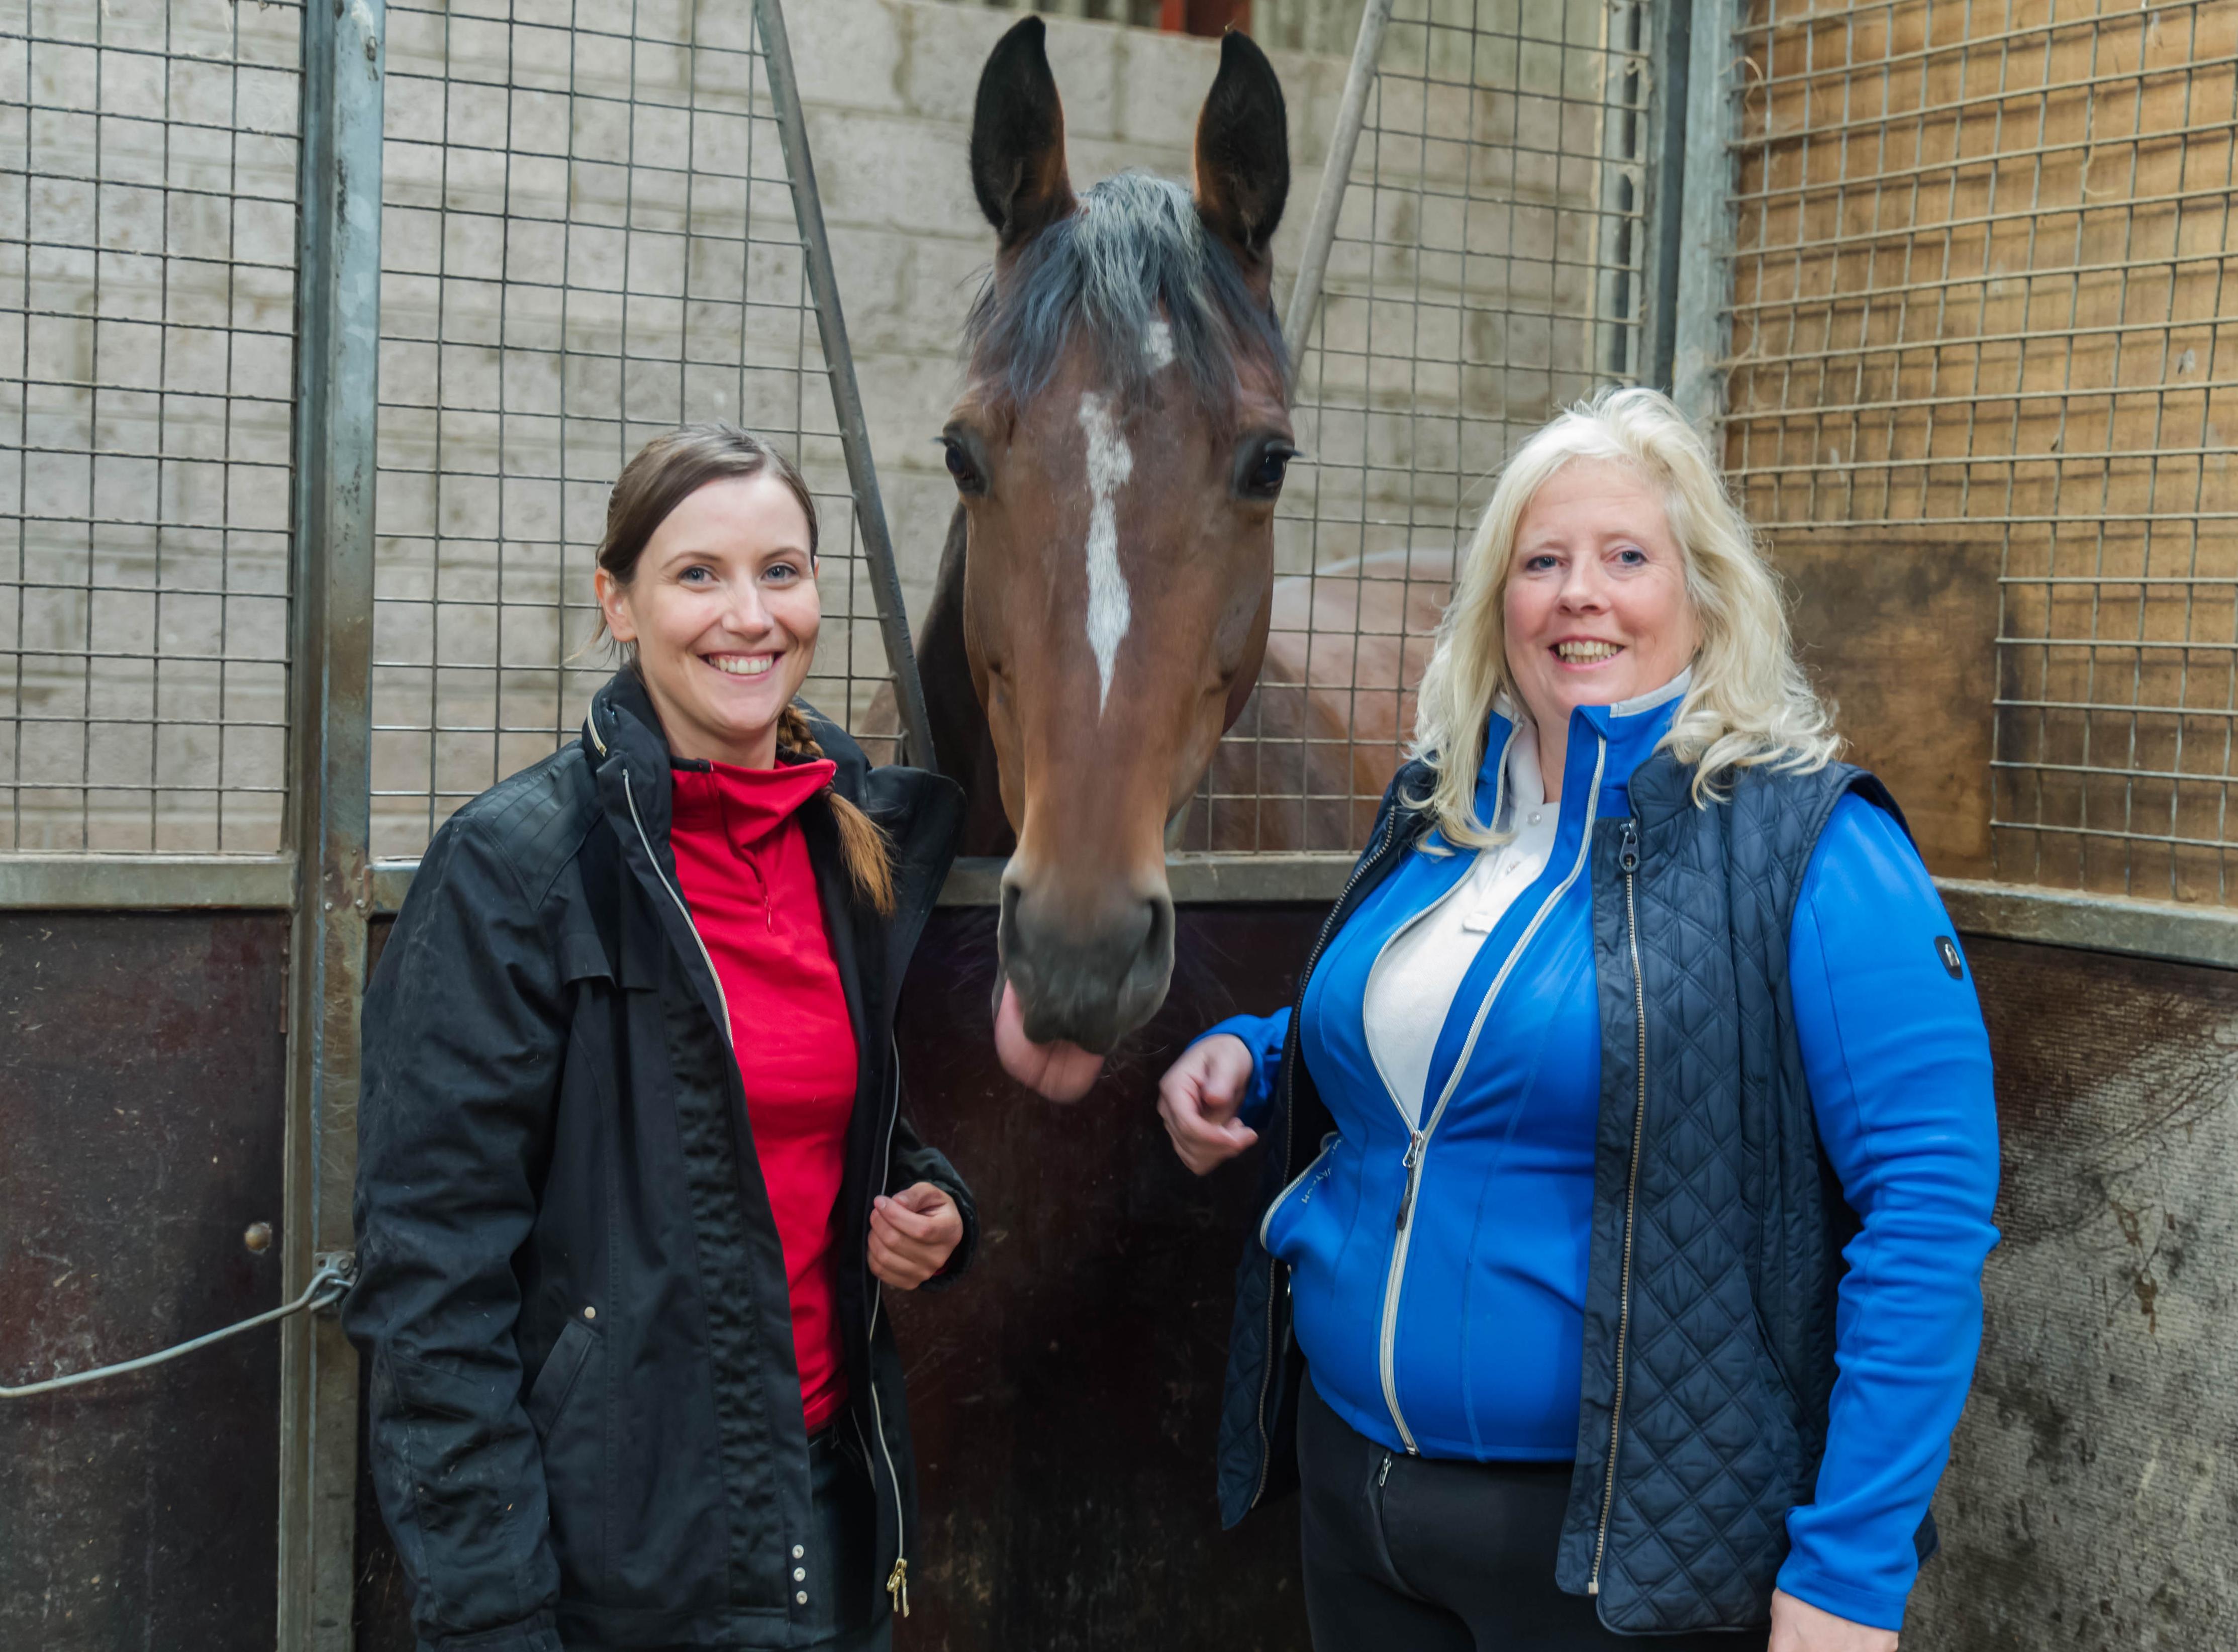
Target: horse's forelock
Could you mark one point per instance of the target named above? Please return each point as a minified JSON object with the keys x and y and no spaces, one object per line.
{"x":1134,"y":253}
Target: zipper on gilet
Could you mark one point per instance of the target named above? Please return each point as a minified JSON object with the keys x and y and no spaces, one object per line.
{"x":1628,"y":862}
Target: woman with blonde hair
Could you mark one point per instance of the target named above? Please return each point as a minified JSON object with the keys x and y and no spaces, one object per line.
{"x":1633,"y":1132}
{"x":632,"y":1166}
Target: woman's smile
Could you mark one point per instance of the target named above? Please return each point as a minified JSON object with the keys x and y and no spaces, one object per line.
{"x":741,"y":665}
{"x":1585,"y":654}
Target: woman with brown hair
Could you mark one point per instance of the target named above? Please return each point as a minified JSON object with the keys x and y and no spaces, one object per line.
{"x":631,"y":1167}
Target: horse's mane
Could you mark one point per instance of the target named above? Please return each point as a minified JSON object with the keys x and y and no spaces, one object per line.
{"x":1135,"y":250}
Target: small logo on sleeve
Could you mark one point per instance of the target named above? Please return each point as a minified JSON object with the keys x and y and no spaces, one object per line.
{"x":1947,"y":950}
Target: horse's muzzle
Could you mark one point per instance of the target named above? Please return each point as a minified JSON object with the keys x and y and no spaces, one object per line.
{"x":1088,"y":974}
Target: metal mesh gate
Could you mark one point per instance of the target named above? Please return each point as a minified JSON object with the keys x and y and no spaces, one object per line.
{"x":147,"y":313}
{"x":1490,"y":267}
{"x":588,"y":237}
{"x":1981,"y":292}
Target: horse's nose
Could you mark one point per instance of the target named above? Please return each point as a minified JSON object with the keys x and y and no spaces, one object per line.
{"x":1088,"y":972}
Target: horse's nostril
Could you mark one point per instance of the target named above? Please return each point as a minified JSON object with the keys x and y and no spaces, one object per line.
{"x":1090,"y":978}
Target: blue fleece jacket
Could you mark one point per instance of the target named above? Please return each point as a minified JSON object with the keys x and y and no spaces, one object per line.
{"x":1466,"y":1340}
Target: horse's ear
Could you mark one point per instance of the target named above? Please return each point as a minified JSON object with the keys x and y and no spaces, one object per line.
{"x":1243,"y":153}
{"x":1018,"y":137}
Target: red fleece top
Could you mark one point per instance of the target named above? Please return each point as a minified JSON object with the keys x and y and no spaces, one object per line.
{"x":744,"y":863}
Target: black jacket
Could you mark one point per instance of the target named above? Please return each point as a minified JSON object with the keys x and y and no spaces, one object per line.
{"x":571,"y":1299}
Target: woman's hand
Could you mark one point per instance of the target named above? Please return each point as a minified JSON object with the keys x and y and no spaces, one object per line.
{"x":1198,"y":1099}
{"x":1797,"y":1626}
{"x":912,"y":1235}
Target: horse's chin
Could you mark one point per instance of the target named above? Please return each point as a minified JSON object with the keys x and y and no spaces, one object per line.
{"x":1058,"y":1071}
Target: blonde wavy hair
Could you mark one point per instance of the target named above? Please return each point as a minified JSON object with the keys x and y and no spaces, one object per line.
{"x":1749,"y":704}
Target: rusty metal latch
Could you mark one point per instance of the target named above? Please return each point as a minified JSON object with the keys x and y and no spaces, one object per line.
{"x":330,"y":1282}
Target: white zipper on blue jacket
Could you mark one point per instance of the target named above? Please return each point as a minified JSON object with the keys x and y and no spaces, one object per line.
{"x":1500,"y":796}
{"x":1418,"y":1140}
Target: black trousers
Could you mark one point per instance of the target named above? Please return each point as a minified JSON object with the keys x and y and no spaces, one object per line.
{"x":1418,"y":1555}
{"x":845,"y":1610}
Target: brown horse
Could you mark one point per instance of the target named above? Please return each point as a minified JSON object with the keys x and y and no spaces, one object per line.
{"x":1102,"y":603}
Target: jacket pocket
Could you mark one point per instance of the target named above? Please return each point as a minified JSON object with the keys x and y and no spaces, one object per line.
{"x":1297,"y":1195}
{"x":566,"y":1407}
{"x":562,"y":1370}
{"x":1780,"y":1419}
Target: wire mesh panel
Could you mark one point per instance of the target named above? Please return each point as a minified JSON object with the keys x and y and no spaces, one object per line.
{"x":146,"y":252}
{"x":1982,"y":293}
{"x":1489,"y":271}
{"x":587,"y":238}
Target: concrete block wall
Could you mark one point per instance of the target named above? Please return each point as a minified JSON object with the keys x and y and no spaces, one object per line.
{"x":147,"y":250}
{"x":564,"y":202}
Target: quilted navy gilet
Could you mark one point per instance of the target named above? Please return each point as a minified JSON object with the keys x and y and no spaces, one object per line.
{"x":1718,"y":1224}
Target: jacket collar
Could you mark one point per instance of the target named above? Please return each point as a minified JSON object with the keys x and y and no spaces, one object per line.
{"x":921,"y":813}
{"x":1630,"y":730}
{"x":623,"y":727}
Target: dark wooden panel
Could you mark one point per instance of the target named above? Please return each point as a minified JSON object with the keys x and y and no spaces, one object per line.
{"x":1066,"y":1397}
{"x":1902,"y":635}
{"x":141,"y":1106}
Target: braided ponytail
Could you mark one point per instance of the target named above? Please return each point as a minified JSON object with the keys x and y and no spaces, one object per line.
{"x":862,"y":842}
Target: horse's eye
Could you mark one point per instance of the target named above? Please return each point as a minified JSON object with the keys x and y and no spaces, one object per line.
{"x":1265,"y":481}
{"x":968,"y":479}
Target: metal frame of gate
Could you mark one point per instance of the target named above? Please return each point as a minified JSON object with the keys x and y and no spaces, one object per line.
{"x":325,"y":875}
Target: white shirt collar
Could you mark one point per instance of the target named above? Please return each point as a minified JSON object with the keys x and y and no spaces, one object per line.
{"x":1654,"y":697}
{"x":1504,"y":704}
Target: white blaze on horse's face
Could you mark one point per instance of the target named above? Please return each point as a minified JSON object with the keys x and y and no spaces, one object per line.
{"x":1110,"y":461}
{"x":1158,"y":344}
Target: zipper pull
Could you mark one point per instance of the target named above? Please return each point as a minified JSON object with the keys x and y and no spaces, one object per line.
{"x":1627,"y":855}
{"x":897,"y":1586}
{"x":1414,"y":1163}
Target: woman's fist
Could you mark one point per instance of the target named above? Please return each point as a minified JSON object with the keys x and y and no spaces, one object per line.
{"x":1199,"y":1097}
{"x":912,"y":1235}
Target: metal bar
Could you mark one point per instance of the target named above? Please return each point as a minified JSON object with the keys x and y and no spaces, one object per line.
{"x":1193,"y":880}
{"x":1821,"y":129}
{"x":146,"y":883}
{"x":1336,"y":176}
{"x":1671,"y":22}
{"x":1706,"y":242}
{"x":337,"y":361}
{"x":2160,"y":929}
{"x":2035,"y":216}
{"x":2005,"y":911}
{"x":2089,"y":146}
{"x":846,"y":397}
{"x":1972,"y":42}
